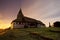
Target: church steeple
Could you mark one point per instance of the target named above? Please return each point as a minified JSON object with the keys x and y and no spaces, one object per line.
{"x":20,"y":14}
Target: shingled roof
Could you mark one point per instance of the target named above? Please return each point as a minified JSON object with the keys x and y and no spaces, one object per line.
{"x":27,"y":19}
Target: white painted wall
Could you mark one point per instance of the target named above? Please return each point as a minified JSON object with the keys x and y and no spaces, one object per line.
{"x":18,"y":25}
{"x":39,"y":25}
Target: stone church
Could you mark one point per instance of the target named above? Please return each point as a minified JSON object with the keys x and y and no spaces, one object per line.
{"x":25,"y":22}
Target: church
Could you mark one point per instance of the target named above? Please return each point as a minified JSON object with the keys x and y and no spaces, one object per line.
{"x":25,"y":22}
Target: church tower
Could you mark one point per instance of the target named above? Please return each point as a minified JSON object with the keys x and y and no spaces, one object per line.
{"x":20,"y":15}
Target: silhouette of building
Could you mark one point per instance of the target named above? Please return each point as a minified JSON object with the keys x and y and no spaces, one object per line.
{"x":56,"y":24}
{"x":25,"y":22}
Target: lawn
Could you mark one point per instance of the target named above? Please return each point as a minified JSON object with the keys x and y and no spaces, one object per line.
{"x":32,"y":34}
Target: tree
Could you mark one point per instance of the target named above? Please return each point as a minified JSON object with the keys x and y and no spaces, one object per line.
{"x":56,"y":24}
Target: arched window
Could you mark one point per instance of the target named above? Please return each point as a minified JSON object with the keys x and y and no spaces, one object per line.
{"x":14,"y":22}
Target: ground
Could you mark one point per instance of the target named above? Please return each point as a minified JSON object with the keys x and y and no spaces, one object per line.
{"x":51,"y":33}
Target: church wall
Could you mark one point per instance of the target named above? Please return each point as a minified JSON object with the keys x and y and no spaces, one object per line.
{"x":22,"y":25}
{"x":40,"y":25}
{"x":27,"y":25}
{"x":17,"y":25}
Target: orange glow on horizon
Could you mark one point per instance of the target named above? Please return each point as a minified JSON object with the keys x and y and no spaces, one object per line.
{"x":4,"y":25}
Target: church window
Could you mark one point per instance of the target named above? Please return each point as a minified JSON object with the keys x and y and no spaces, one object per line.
{"x":19,"y":22}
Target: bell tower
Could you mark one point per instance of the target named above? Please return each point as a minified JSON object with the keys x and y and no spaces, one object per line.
{"x":20,"y":15}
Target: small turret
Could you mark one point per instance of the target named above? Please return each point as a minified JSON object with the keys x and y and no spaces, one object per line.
{"x":49,"y":24}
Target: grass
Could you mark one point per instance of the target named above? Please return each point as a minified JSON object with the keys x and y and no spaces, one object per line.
{"x":24,"y":34}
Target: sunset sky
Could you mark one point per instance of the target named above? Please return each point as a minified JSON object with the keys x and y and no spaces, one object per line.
{"x":43,"y":10}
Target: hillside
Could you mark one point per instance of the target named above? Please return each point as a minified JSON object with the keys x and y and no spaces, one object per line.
{"x":32,"y":34}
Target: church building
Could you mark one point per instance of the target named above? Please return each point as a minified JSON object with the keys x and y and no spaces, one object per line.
{"x":25,"y":22}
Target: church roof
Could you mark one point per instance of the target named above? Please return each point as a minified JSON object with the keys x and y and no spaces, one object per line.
{"x":31,"y":20}
{"x":27,"y":19}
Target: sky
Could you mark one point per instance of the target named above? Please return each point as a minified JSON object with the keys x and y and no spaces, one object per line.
{"x":43,"y":10}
